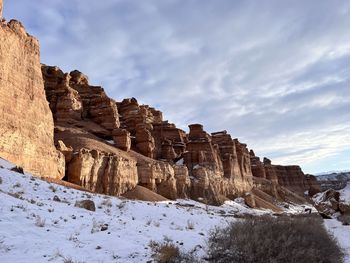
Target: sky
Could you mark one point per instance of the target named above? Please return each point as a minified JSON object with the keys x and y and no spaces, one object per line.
{"x":275,"y":74}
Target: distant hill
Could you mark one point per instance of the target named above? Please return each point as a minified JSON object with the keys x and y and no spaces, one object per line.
{"x":334,"y":180}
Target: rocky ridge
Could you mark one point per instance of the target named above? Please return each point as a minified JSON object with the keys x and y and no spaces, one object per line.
{"x":161,"y":157}
{"x":112,"y":147}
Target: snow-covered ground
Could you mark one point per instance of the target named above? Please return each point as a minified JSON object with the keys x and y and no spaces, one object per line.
{"x":345,"y":193}
{"x":39,"y":223}
{"x":334,"y":226}
{"x":35,"y":228}
{"x":341,"y":233}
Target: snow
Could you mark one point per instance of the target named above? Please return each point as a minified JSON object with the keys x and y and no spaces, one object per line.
{"x":180,"y":162}
{"x":345,"y":193}
{"x":71,"y":232}
{"x":336,"y":176}
{"x":35,"y":228}
{"x":342,"y":234}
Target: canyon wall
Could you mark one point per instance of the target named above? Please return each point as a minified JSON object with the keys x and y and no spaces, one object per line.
{"x":167,"y":160}
{"x":118,"y":145}
{"x":290,"y":177}
{"x":111,"y":147}
{"x":26,"y":124}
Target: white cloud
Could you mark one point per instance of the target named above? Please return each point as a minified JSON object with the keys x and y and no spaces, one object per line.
{"x":275,"y":73}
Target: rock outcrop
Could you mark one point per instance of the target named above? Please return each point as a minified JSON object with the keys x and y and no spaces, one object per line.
{"x":74,"y":101}
{"x":26,"y":124}
{"x":123,"y":147}
{"x":331,"y":203}
{"x":94,"y":164}
{"x":168,"y":161}
{"x":290,"y":177}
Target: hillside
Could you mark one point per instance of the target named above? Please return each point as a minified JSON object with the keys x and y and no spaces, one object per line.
{"x":334,"y":180}
{"x":39,"y":223}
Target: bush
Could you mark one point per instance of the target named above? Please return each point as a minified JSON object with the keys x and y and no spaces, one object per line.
{"x":168,"y":252}
{"x":267,"y":239}
{"x":39,"y":222}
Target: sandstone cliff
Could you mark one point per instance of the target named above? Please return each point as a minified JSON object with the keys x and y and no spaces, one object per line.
{"x":166,"y":160}
{"x":26,"y":124}
{"x":290,"y":177}
{"x":111,"y":147}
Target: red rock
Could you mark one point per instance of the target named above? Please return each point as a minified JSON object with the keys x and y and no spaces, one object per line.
{"x":65,"y":102}
{"x":73,"y":100}
{"x":26,"y":123}
{"x":313,"y":185}
{"x":122,"y":140}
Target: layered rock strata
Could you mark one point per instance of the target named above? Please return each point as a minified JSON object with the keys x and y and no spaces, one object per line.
{"x":93,"y":164}
{"x":73,"y":100}
{"x":290,"y":177}
{"x":112,"y":148}
{"x":26,"y":124}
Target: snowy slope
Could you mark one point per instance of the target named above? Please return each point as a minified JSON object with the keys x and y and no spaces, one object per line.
{"x":345,"y":193}
{"x":341,"y":233}
{"x":34,"y":228}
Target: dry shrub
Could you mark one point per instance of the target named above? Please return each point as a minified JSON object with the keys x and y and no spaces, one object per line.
{"x":39,"y":222}
{"x":168,"y":252}
{"x":268,"y":239}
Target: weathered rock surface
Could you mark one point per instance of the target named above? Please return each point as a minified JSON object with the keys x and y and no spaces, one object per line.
{"x":219,"y":165}
{"x":144,"y":194}
{"x":151,"y":136}
{"x":96,"y":165}
{"x":72,"y":99}
{"x":290,"y":177}
{"x":313,"y":185}
{"x":26,"y":124}
{"x":331,"y":203}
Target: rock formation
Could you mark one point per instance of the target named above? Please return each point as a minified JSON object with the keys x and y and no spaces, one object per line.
{"x":155,"y":153}
{"x":94,"y":164}
{"x":26,"y":124}
{"x":73,"y":100}
{"x":331,"y":203}
{"x":290,"y":177}
{"x":123,"y":147}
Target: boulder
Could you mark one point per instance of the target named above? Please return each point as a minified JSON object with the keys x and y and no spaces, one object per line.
{"x":344,"y":208}
{"x":86,"y":204}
